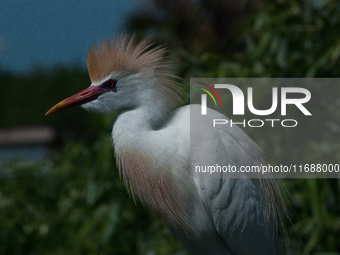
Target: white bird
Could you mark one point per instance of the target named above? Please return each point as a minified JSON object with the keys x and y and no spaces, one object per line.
{"x":151,"y":138}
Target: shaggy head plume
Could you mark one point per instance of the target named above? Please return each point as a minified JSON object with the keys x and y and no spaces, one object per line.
{"x":123,"y":54}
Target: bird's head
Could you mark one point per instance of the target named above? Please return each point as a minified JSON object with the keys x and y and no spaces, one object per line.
{"x":125,"y":75}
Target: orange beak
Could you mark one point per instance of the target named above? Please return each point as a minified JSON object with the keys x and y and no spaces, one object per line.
{"x":82,"y":97}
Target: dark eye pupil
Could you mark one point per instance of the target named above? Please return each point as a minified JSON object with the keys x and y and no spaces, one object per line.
{"x":112,"y":83}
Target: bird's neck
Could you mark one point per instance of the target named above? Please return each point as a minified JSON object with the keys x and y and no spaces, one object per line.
{"x":142,"y":143}
{"x":151,"y":114}
{"x":134,"y":128}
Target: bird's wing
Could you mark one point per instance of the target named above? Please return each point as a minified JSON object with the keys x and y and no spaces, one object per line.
{"x":234,"y":202}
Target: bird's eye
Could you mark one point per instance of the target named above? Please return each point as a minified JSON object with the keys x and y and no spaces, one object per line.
{"x":111,"y":83}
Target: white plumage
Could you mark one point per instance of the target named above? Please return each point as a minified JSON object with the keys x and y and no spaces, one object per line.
{"x":152,"y":145}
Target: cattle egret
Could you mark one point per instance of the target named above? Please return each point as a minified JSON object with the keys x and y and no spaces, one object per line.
{"x":151,"y":138}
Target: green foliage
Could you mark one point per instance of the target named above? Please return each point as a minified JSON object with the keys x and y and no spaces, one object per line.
{"x":76,"y":204}
{"x":295,"y":39}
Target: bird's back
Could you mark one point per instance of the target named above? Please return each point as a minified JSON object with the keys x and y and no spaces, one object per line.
{"x":243,"y":211}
